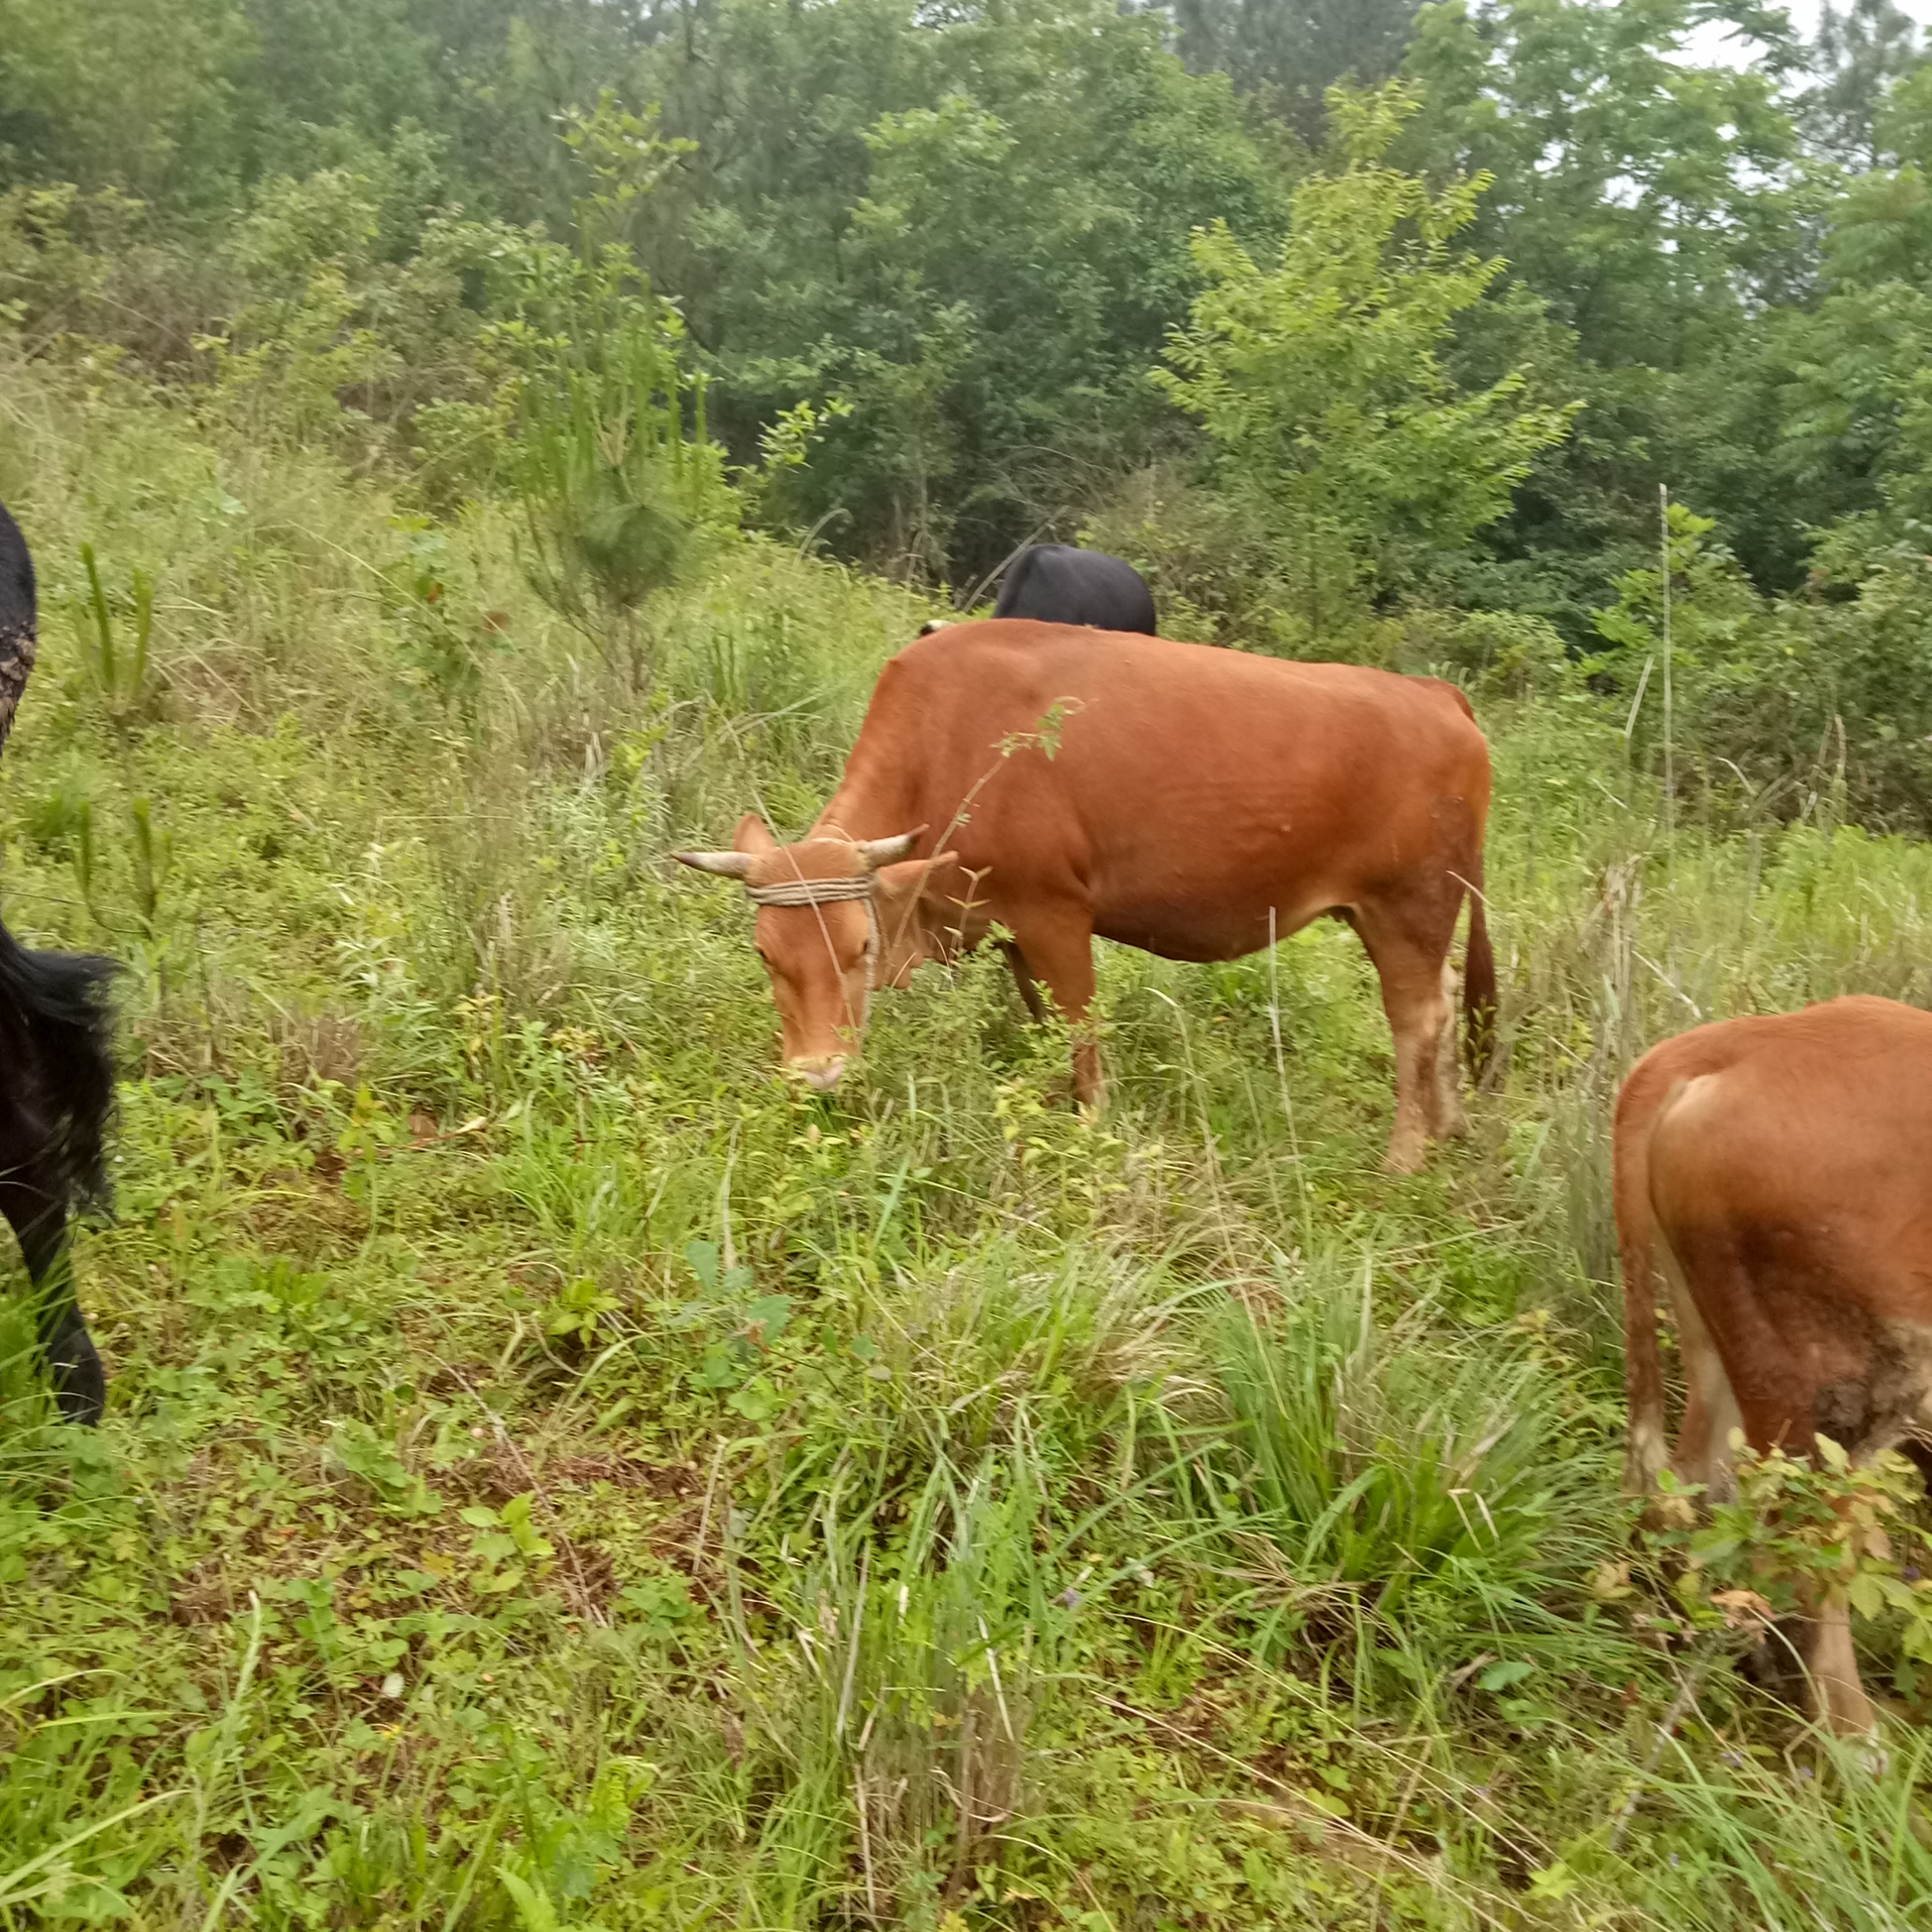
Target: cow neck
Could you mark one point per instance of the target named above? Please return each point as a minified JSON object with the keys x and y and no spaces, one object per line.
{"x":874,"y":799}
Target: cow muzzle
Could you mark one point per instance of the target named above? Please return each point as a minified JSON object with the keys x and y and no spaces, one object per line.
{"x":821,"y":1073}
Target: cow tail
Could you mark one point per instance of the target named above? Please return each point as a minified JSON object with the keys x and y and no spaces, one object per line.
{"x":1646,"y":1094}
{"x":1479,"y":985}
{"x":57,"y":1022}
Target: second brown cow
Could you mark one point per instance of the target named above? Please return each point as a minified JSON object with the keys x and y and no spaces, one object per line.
{"x":1197,"y":803}
{"x":1775,"y":1167}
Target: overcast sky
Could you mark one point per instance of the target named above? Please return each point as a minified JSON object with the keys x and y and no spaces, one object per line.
{"x":1708,"y":43}
{"x":1804,"y":13}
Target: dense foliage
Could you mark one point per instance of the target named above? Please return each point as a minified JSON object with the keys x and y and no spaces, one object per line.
{"x":558,"y":1478}
{"x":948,"y":275}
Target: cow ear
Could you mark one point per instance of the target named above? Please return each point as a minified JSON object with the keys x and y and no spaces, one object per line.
{"x":911,"y":878}
{"x":917,"y":921}
{"x":752,"y":835}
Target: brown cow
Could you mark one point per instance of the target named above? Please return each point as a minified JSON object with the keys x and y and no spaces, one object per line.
{"x":1195,"y":803}
{"x":1778,"y":1168}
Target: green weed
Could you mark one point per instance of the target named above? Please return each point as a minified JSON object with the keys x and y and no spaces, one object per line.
{"x":558,"y":1476}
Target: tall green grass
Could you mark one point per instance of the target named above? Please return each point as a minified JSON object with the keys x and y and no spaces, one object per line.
{"x":558,"y":1477}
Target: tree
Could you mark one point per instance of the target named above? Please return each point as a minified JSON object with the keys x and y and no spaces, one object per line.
{"x":140,"y":95}
{"x":621,"y":482}
{"x":1653,"y":209}
{"x":1320,"y":382}
{"x":971,"y":228}
{"x":1811,"y":416}
{"x":1859,"y":55}
{"x":1289,"y":53}
{"x":1647,"y":198}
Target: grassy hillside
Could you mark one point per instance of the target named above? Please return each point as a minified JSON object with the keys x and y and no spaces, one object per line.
{"x":556,"y":1478}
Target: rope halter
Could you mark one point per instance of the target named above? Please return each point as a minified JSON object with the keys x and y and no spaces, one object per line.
{"x":804,"y":891}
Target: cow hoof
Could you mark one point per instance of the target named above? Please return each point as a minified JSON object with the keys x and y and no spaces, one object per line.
{"x":1402,"y":1160}
{"x":79,"y":1381}
{"x":82,"y":1399}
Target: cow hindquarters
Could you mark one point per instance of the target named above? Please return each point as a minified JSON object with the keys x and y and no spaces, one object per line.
{"x":1642,"y":1100}
{"x":56,"y":1102}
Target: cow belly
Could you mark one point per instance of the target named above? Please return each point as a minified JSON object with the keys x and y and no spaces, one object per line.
{"x":1178,"y":929}
{"x":1899,"y":1398}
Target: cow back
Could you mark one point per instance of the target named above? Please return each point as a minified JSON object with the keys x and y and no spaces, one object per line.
{"x":18,"y":634}
{"x":1056,"y":583}
{"x":1195,"y":799}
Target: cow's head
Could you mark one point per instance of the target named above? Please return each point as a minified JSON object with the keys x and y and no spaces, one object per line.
{"x":838,"y":919}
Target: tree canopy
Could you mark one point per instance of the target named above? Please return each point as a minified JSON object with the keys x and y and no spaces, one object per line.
{"x":955,"y":277}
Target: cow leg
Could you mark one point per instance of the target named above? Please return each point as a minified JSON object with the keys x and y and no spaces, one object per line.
{"x":1711,"y":1408}
{"x":1023,"y":979}
{"x":38,"y":1214}
{"x":1834,"y":1695}
{"x":1410,"y":965}
{"x":1058,"y":947}
{"x":1715,"y":1412}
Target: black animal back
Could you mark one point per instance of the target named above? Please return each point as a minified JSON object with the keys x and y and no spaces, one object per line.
{"x":1058,"y":583}
{"x":19,"y":631}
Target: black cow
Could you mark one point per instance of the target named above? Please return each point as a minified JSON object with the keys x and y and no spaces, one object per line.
{"x":56,"y":1083}
{"x":1055,"y":583}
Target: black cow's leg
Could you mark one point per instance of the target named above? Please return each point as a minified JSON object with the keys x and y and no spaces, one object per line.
{"x":39,"y":1217}
{"x":1023,"y":979}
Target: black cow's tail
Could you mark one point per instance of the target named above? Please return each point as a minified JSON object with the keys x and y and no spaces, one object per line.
{"x":56,"y":1015}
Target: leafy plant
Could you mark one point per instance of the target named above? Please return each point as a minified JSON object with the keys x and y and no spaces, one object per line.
{"x":125,"y":685}
{"x":1320,"y":382}
{"x":507,"y":1549}
{"x":580,"y":1311}
{"x":361,"y":1452}
{"x":1800,"y":1532}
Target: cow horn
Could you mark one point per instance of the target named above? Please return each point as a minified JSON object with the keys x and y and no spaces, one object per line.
{"x":873,"y":853}
{"x":725,"y":864}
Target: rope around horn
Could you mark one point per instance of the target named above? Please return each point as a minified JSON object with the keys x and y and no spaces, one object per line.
{"x":810,"y":891}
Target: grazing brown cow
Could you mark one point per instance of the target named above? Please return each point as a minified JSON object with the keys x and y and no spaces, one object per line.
{"x":1195,"y":803}
{"x":1778,"y":1168}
